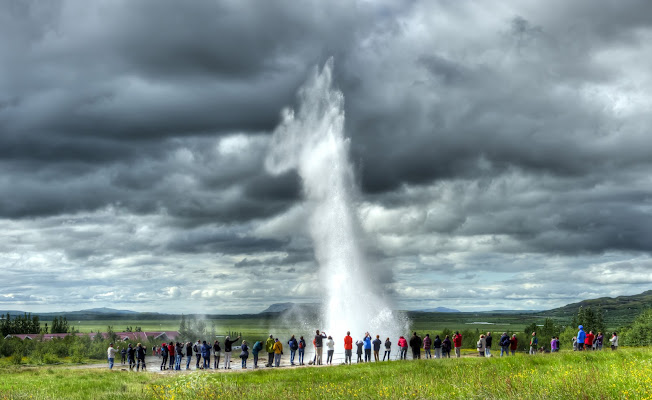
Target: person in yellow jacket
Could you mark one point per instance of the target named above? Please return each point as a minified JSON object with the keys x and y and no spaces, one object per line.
{"x":278,"y":350}
{"x":269,"y":347}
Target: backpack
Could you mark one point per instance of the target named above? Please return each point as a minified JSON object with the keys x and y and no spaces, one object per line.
{"x":301,"y":345}
{"x":194,"y":348}
{"x":293,"y":345}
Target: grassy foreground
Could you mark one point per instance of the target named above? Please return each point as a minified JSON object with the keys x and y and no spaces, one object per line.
{"x":625,"y":374}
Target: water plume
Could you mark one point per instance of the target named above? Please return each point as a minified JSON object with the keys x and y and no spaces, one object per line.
{"x":312,"y":141}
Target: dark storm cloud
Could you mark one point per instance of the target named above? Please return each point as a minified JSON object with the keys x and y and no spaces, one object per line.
{"x":133,"y":134}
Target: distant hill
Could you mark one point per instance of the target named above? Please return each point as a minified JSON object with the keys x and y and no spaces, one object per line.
{"x":105,"y":310}
{"x":278,"y":307}
{"x":618,"y":311}
{"x":440,"y":309}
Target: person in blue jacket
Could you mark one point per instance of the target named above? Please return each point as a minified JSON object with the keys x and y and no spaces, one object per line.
{"x":367,"y":347}
{"x":206,"y":354}
{"x":581,"y":336}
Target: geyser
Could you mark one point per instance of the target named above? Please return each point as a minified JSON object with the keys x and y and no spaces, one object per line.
{"x":312,"y":141}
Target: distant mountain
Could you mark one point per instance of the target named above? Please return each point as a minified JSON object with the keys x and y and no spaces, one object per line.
{"x":105,"y":310}
{"x":278,"y":307}
{"x":440,"y":309}
{"x":619,"y":310}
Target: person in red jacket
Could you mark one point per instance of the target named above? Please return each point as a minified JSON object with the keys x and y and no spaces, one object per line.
{"x":513,"y":343}
{"x":403,"y":346}
{"x":348,"y":348}
{"x":588,"y":341}
{"x":171,"y":355}
{"x":457,"y":342}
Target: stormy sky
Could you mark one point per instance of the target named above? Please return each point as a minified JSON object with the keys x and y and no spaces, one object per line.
{"x":502,"y":151}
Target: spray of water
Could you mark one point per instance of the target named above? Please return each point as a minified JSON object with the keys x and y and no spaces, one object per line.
{"x":312,"y":141}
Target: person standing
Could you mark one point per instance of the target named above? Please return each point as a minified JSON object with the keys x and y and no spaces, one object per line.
{"x":216,"y":354}
{"x":415,"y":344}
{"x":488,"y":339}
{"x":269,"y":347}
{"x":258,"y":346}
{"x":376,"y":343}
{"x":436,"y":344}
{"x":164,"y":354}
{"x":481,"y":345}
{"x":581,"y":337}
{"x":206,"y":354}
{"x":553,"y":345}
{"x":367,"y":347}
{"x":403,"y":346}
{"x":302,"y":349}
{"x":348,"y":348}
{"x":359,"y":344}
{"x":140,"y":356}
{"x":244,"y":354}
{"x":457,"y":342}
{"x":330,"y":346}
{"x":111,"y":355}
{"x":427,"y":342}
{"x":319,"y":343}
{"x":171,"y":354}
{"x":388,"y":350}
{"x":599,"y":341}
{"x":294,"y":346}
{"x":197,"y":349}
{"x":188,"y":354}
{"x":123,"y":356}
{"x":588,"y":341}
{"x":131,"y":356}
{"x":446,"y":347}
{"x":534,"y":341}
{"x":504,"y":344}
{"x":178,"y":355}
{"x":228,"y":343}
{"x":614,"y":341}
{"x":513,"y":344}
{"x":278,"y":350}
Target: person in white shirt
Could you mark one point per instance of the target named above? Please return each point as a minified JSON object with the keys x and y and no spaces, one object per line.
{"x":111,"y":354}
{"x":330,"y":345}
{"x":614,"y":341}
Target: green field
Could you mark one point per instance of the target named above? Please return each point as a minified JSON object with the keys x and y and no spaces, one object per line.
{"x":625,"y":374}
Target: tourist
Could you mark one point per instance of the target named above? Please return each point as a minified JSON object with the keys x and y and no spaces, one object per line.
{"x":178,"y":355}
{"x":359,"y":344}
{"x":599,"y":341}
{"x":206,"y":354}
{"x":164,"y":355}
{"x":227,"y":351}
{"x":427,"y":342}
{"x":513,"y":344}
{"x":154,"y":351}
{"x":131,"y":356}
{"x":481,"y":345}
{"x":314,"y":355}
{"x":330,"y":346}
{"x":141,"y":351}
{"x":581,"y":338}
{"x":388,"y":350}
{"x":437,"y":346}
{"x":216,"y":355}
{"x":123,"y":356}
{"x":446,"y":347}
{"x":457,"y":342}
{"x":244,"y":354}
{"x":319,"y":343}
{"x":188,"y":354}
{"x":294,"y":346}
{"x":534,"y":341}
{"x":376,"y":343}
{"x":367,"y":347}
{"x":415,"y":344}
{"x":171,"y":354}
{"x":348,"y":348}
{"x":504,"y":344}
{"x":302,"y":349}
{"x":614,"y":341}
{"x":574,"y":343}
{"x":553,"y":345}
{"x":278,"y":350}
{"x":258,"y":346}
{"x":588,"y":340}
{"x":197,"y":349}
{"x":488,"y":339}
{"x":403,"y":346}
{"x":111,"y":355}
{"x":269,"y":347}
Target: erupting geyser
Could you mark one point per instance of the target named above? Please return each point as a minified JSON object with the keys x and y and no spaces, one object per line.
{"x":312,"y":141}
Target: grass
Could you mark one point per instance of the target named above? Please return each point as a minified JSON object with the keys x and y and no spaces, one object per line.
{"x":625,"y":374}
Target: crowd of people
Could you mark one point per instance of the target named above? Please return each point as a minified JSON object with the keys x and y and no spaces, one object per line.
{"x":173,"y":353}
